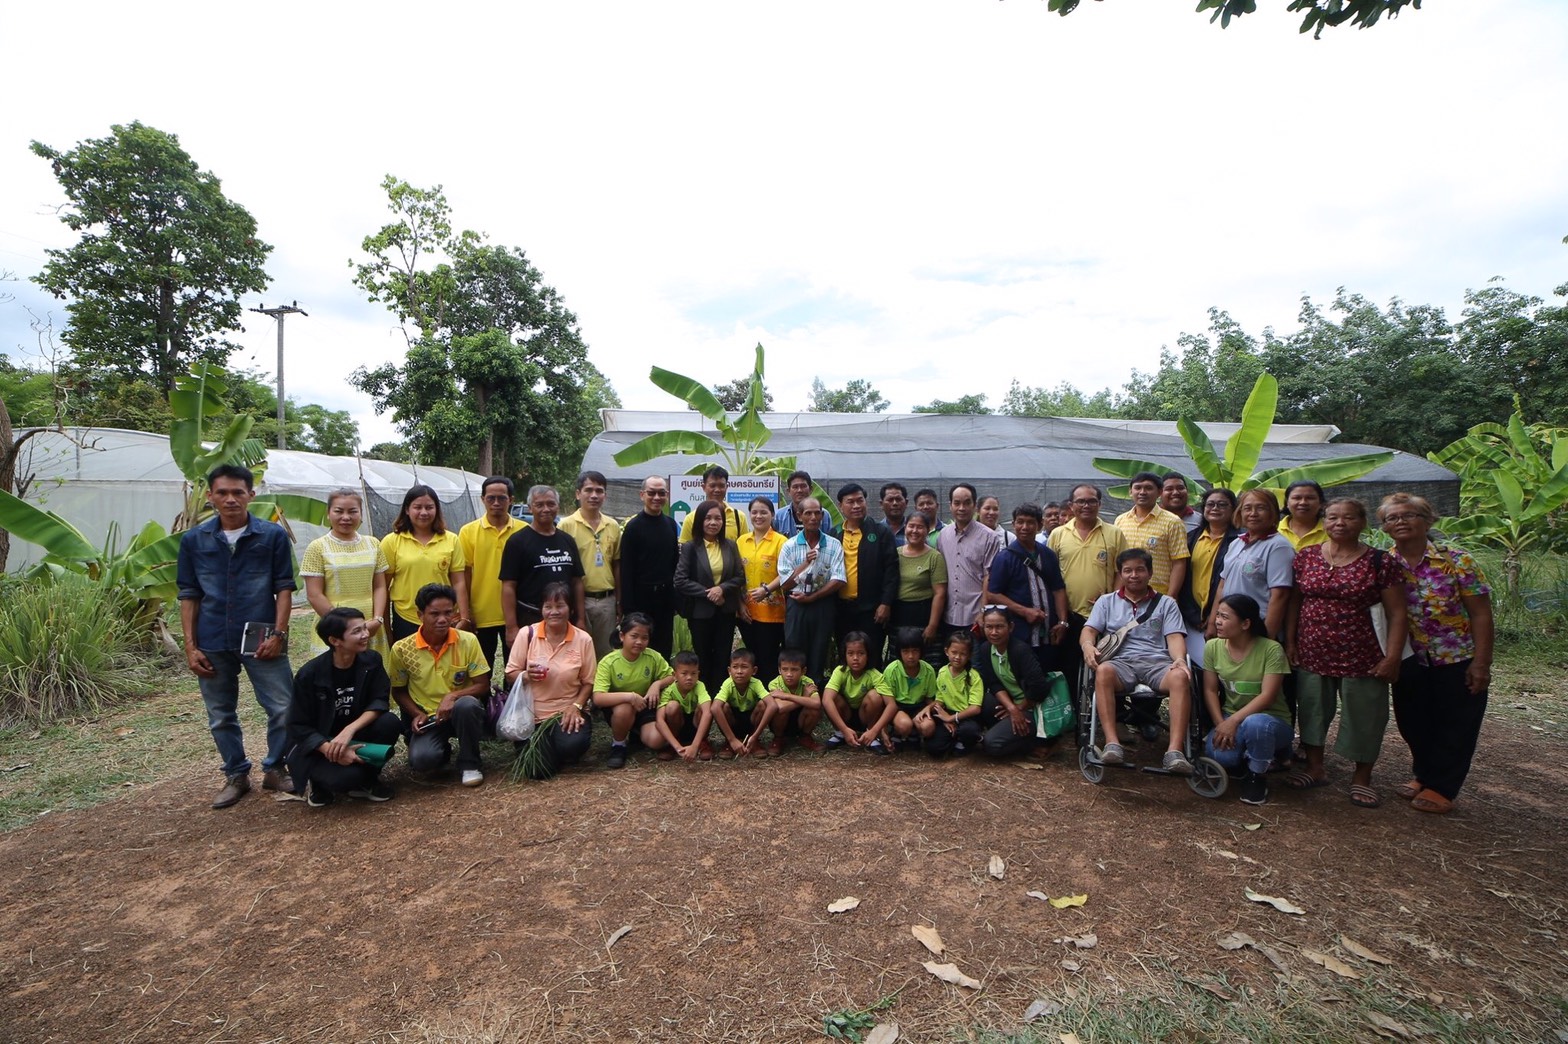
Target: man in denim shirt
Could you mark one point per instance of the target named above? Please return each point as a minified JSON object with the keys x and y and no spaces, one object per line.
{"x":235,"y":569}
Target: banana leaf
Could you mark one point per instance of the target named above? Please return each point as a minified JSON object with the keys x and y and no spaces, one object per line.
{"x":1126,"y":468}
{"x":55,"y":535}
{"x":1257,"y":417}
{"x":668,"y":443}
{"x":296,"y":508}
{"x":694,"y":393}
{"x":1332,"y":471}
{"x":1201,"y":449}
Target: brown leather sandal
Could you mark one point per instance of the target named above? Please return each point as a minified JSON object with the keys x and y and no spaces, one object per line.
{"x":1430,"y":800}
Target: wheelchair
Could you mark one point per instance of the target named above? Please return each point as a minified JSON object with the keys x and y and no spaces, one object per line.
{"x":1138,"y":712}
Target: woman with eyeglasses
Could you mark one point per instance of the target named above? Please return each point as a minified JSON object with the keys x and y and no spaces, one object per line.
{"x":1207,"y":546}
{"x":1440,"y":697}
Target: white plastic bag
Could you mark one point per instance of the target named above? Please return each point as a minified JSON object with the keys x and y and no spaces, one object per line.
{"x":517,"y":714}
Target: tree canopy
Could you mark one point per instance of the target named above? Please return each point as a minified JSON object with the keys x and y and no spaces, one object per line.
{"x":733,"y":396}
{"x":858,"y":396}
{"x":497,"y":376}
{"x":155,"y":280}
{"x":1318,"y":14}
{"x":967,"y":405}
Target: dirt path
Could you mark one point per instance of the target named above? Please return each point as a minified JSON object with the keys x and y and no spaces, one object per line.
{"x":450,"y":914}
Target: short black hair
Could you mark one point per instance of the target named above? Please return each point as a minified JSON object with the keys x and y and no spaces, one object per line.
{"x":685,"y":658}
{"x":1029,"y":511}
{"x":430,"y":592}
{"x":744,"y":655}
{"x":911,"y":638}
{"x":964,"y":485}
{"x":715,"y":471}
{"x":498,"y":480}
{"x":1145,"y":476}
{"x":1172,"y":475}
{"x":926,"y":492}
{"x":797,"y":475}
{"x":591,"y":476}
{"x":850,"y":490}
{"x":794,"y":656}
{"x":857,"y":636}
{"x":881,"y":493}
{"x":335,"y":623}
{"x":233,"y":471}
{"x":1137,"y":553}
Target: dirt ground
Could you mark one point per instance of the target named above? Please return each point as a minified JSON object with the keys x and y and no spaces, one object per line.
{"x":450,"y":914}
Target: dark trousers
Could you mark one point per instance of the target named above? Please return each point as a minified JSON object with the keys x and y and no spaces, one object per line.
{"x":337,"y":778}
{"x":997,"y":739}
{"x":764,"y":640}
{"x":429,"y":750}
{"x":1069,"y":655}
{"x":489,"y":639}
{"x":850,"y":617}
{"x":807,"y":628}
{"x":916,"y":614}
{"x":558,"y":749}
{"x":659,"y":603}
{"x":712,"y":638}
{"x":401,"y":628}
{"x":1440,"y":719}
{"x":942,"y":741}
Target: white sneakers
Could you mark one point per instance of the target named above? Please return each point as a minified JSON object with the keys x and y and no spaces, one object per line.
{"x":472,"y":777}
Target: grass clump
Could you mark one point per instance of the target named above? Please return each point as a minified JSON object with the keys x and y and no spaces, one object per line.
{"x":68,"y":650}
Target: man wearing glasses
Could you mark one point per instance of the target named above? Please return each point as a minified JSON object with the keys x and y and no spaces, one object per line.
{"x":598,"y":539}
{"x":482,"y":541}
{"x":650,"y":545}
{"x":1086,"y":548}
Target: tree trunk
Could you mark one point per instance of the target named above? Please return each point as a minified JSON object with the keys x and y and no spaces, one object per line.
{"x":487,"y":444}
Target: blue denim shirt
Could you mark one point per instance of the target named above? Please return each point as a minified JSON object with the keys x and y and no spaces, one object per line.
{"x":235,"y":586}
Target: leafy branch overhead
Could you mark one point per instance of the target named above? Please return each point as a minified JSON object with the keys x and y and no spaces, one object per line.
{"x":1319,"y":14}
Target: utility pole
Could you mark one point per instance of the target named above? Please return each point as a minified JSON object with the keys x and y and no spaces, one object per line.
{"x":279,"y":313}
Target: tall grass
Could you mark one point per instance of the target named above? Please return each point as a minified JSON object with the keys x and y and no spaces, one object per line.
{"x":1533,"y":621}
{"x":67,"y":649}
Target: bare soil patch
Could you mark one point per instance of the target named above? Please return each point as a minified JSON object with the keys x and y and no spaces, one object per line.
{"x":449,"y":914}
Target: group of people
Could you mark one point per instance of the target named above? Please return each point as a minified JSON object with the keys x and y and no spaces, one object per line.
{"x":956,"y":637}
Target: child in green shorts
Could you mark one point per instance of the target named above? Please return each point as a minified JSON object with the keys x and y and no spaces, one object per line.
{"x":739,"y":706}
{"x":685,"y":713}
{"x":950,"y":723}
{"x":793,"y":702}
{"x":622,"y":687}
{"x":858,"y":712}
{"x":911,"y":684}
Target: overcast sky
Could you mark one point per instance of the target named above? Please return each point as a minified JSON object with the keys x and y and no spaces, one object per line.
{"x":934,"y":196}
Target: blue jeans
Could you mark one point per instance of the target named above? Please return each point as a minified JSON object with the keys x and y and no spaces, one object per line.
{"x":273,"y":681}
{"x":1260,"y":739}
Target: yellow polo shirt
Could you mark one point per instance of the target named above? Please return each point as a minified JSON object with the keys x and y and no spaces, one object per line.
{"x":429,"y":673}
{"x":850,"y":538}
{"x":732,"y":524}
{"x":1204,"y":555}
{"x":597,"y":549}
{"x":1316,"y":535}
{"x":1088,"y":563}
{"x":1161,"y":534}
{"x":411,"y":565}
{"x":481,"y":544}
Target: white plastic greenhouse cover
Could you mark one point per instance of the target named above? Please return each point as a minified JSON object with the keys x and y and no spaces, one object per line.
{"x":99,"y":478}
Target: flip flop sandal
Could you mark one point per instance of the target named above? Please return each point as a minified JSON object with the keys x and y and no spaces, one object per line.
{"x":1409,"y":791}
{"x":1431,"y":801}
{"x":1304,"y":780}
{"x":1364,"y":796}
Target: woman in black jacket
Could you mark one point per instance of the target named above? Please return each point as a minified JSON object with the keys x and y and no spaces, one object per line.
{"x":1207,"y":546}
{"x":339,"y":704}
{"x":1014,"y":684}
{"x":710,"y":599}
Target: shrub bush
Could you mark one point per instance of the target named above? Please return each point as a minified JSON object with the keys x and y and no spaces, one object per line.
{"x":67,"y":649}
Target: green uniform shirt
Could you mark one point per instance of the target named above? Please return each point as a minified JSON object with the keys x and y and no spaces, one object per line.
{"x":851,"y":688}
{"x":618,"y":674}
{"x":959,"y":692}
{"x":777,"y":685}
{"x":688,"y":701}
{"x":1242,"y":681}
{"x":742,"y":701}
{"x":911,"y":692}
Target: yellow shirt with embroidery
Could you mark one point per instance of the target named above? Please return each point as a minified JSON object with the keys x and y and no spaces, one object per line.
{"x":597,"y":549}
{"x":1161,"y":534}
{"x":429,"y":673}
{"x":412,"y":565}
{"x":1088,"y":563}
{"x":481,"y":544}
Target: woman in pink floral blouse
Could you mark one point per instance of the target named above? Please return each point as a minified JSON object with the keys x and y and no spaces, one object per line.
{"x":1331,"y":642}
{"x":1440,"y":697}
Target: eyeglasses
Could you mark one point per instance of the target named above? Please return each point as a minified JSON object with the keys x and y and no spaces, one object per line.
{"x":1391,"y":520}
{"x":655,"y":493}
{"x":1086,"y":501}
{"x":498,"y":498}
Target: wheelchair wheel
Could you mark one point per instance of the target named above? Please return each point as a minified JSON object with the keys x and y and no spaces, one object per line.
{"x":1089,"y":764}
{"x":1209,"y":778}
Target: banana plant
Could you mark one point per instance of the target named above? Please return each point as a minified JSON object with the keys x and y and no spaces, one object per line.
{"x":1513,"y":489}
{"x":740,"y":452}
{"x":1236,"y":469}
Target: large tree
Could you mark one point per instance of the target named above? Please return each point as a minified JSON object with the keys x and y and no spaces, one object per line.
{"x":857,"y":396}
{"x":155,"y":281}
{"x":964,"y":405}
{"x":732,"y":396}
{"x":496,"y":376}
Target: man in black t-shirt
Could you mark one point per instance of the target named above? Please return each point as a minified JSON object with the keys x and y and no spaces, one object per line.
{"x":534,"y":557}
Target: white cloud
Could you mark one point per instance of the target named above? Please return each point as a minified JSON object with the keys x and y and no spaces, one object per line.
{"x":936,"y":197}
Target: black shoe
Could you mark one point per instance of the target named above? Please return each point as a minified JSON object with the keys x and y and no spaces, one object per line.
{"x":378,"y":792}
{"x":1255,"y":789}
{"x":835,"y":741}
{"x":878,"y":749}
{"x":617,"y":758}
{"x":317,"y":797}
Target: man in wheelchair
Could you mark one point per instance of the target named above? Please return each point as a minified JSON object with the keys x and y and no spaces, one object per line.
{"x":1135,"y":636}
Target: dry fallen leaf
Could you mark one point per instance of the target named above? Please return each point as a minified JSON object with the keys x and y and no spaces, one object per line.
{"x":928,"y":938}
{"x":1237,"y":940}
{"x":1282,"y":905}
{"x":882,"y":1033}
{"x":1069,"y":900}
{"x":1038,"y":895}
{"x":17,"y":767}
{"x":1224,"y":993}
{"x":1070,"y":1038}
{"x":843,"y":905}
{"x":1040,"y":1009}
{"x":1333,"y":964}
{"x":1384,"y":1026}
{"x":617,"y":935}
{"x":1071,"y":965}
{"x":1361,"y":951}
{"x":997,"y":868}
{"x":1227,"y":855}
{"x":125,"y":731}
{"x":950,"y":973}
{"x":1083,"y":942}
{"x":1253,"y":826}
